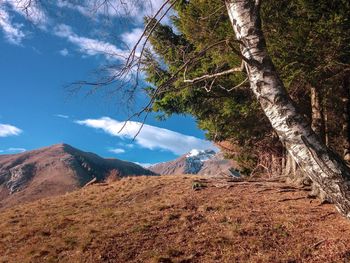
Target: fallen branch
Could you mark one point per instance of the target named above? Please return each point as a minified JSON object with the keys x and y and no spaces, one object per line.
{"x":318,"y":243}
{"x":291,"y":199}
{"x":328,"y":214}
{"x":265,"y":190}
{"x":91,"y":182}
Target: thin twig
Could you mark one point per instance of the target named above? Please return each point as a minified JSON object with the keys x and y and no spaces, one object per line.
{"x":235,"y":87}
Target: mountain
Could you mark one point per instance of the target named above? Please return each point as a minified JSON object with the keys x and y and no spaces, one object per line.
{"x":201,"y":162}
{"x":55,"y":170}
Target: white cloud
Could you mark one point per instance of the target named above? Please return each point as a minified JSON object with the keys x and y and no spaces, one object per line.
{"x":64,"y":52}
{"x":31,"y":10}
{"x":13,"y":150}
{"x":9,"y":130}
{"x":12,"y":31}
{"x":89,"y":46}
{"x":150,"y":137}
{"x":126,"y":145}
{"x":117,"y":150}
{"x":131,"y":38}
{"x":18,"y":150}
{"x":114,"y":8}
{"x":61,"y":116}
{"x":132,"y":10}
{"x":80,"y":8}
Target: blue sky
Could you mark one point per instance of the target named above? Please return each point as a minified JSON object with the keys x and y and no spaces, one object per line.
{"x":58,"y":44}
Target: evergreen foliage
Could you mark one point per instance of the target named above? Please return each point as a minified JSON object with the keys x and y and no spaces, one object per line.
{"x":310,"y":44}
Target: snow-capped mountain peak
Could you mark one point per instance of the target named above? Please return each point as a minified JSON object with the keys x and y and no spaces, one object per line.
{"x":200,"y":153}
{"x":196,"y":158}
{"x":201,"y":162}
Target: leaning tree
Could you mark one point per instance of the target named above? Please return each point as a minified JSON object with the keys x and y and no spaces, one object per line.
{"x":324,"y":168}
{"x":328,"y":171}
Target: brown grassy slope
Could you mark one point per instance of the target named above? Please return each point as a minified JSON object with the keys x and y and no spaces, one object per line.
{"x":161,"y":219}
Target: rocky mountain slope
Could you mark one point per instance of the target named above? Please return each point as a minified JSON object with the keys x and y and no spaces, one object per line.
{"x":161,"y":219}
{"x":206,"y":162}
{"x":55,"y":170}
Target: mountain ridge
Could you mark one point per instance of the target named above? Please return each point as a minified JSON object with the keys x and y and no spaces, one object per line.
{"x":200,"y":162}
{"x":54,"y":170}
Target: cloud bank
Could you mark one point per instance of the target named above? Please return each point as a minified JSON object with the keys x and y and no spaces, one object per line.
{"x":9,"y":130}
{"x":132,"y":10}
{"x":114,"y":8}
{"x":12,"y":32}
{"x":89,"y":46}
{"x":32,"y":12}
{"x":150,"y":137}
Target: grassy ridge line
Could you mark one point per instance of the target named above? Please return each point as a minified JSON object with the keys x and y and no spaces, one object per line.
{"x":161,"y":219}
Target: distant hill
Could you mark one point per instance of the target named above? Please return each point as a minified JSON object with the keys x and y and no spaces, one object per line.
{"x":204,"y":162}
{"x":55,"y":170}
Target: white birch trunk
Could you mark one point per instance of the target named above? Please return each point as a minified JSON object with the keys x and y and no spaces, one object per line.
{"x":346,"y":119}
{"x":324,"y":168}
{"x":317,"y":118}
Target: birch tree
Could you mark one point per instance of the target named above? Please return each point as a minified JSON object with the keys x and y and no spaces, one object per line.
{"x":324,"y":168}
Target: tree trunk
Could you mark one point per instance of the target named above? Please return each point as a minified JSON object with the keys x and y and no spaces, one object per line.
{"x":318,"y":126}
{"x":346,"y":120}
{"x":323,"y":167}
{"x":317,"y":123}
{"x":326,"y":128}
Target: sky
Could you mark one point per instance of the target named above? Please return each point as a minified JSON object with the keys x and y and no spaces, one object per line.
{"x":44,"y":49}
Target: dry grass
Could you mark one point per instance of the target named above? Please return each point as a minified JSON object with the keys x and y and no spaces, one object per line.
{"x":161,"y":219}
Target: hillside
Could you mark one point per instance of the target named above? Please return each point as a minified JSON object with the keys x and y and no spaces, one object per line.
{"x":161,"y":219}
{"x":207,"y":162}
{"x":55,"y":170}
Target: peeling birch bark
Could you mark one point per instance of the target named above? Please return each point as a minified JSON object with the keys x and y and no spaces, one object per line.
{"x":317,"y":118}
{"x":346,"y":119}
{"x":326,"y":125}
{"x":323,"y":167}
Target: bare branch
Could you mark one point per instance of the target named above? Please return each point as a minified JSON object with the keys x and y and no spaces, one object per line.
{"x":133,"y":51}
{"x":147,"y":107}
{"x":210,"y":76}
{"x":215,"y":12}
{"x":149,"y":34}
{"x":235,"y":87}
{"x":211,"y":86}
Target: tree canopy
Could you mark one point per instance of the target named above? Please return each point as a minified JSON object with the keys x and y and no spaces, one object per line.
{"x":296,"y":33}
